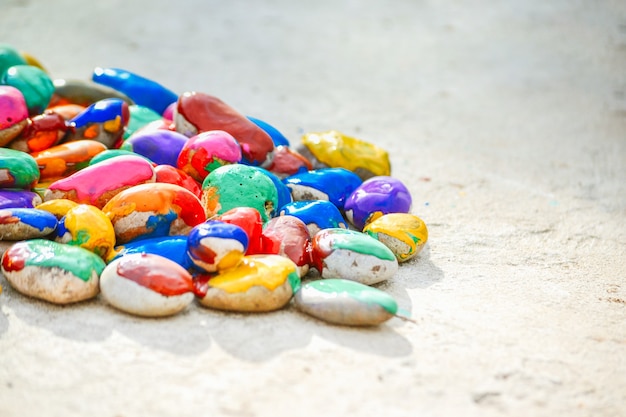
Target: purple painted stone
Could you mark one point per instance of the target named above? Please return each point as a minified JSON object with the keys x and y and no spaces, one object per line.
{"x":375,"y":197}
{"x":18,"y":199}
{"x":160,"y":146}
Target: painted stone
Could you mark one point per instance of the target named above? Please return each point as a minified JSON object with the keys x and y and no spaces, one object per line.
{"x":199,"y":112}
{"x":258,"y":283}
{"x":31,"y":60}
{"x":147,"y":285}
{"x":43,"y":131}
{"x":13,"y":113}
{"x":83,"y":93}
{"x":25,"y":223}
{"x":405,"y":234}
{"x":98,"y":183}
{"x":169,"y":174}
{"x":18,"y":199}
{"x":87,"y":226}
{"x":336,"y":150}
{"x":316,"y":214}
{"x":288,"y":236}
{"x":67,"y":111}
{"x":278,"y":138}
{"x":52,"y":271}
{"x":207,"y":151}
{"x":345,"y":302}
{"x":103,"y":121}
{"x":160,"y":146}
{"x":140,"y":116}
{"x":58,"y":208}
{"x":347,"y":254}
{"x":112,"y":153}
{"x":286,"y":162}
{"x":375,"y":197}
{"x":9,"y":57}
{"x":63,"y":160}
{"x":35,"y":85}
{"x":17,"y":169}
{"x":282,"y":192}
{"x":168,"y":113}
{"x":215,"y":246}
{"x":233,"y":186}
{"x":153,"y":210}
{"x":330,"y":184}
{"x":249,"y":219}
{"x":173,"y":248}
{"x":141,"y":90}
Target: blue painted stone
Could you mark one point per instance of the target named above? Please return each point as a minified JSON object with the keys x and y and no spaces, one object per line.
{"x":18,"y":199}
{"x":317,"y":214}
{"x":278,"y":138}
{"x":284,"y":195}
{"x":331,"y":184}
{"x":103,"y":121}
{"x":216,"y":246}
{"x":142,"y":91}
{"x":173,"y":248}
{"x":160,"y":146}
{"x":25,"y":223}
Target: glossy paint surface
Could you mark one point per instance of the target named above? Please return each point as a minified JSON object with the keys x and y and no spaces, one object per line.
{"x":63,"y":160}
{"x":17,"y":169}
{"x":87,"y":226}
{"x":406,"y":228}
{"x":336,"y":183}
{"x":156,"y":273}
{"x":207,"y":151}
{"x":160,"y":146}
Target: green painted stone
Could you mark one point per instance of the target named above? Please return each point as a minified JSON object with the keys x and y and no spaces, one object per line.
{"x":9,"y":57}
{"x":17,"y":169}
{"x":232,"y":186}
{"x":140,"y":116}
{"x":35,"y":85}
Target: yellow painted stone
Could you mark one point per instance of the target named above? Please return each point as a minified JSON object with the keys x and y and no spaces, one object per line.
{"x":405,"y":234}
{"x":88,"y":227}
{"x":337,"y":150}
{"x":269,"y":271}
{"x":58,"y":208}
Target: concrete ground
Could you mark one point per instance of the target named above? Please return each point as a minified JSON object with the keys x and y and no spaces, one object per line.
{"x":506,"y":120}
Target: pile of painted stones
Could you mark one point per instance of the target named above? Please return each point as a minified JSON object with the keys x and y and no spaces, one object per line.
{"x":121,"y":187}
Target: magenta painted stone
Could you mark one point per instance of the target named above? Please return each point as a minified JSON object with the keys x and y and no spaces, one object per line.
{"x":13,"y":113}
{"x":207,"y":151}
{"x":375,"y":197}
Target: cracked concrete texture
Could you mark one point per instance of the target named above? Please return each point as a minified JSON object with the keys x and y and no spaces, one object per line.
{"x":506,"y":120}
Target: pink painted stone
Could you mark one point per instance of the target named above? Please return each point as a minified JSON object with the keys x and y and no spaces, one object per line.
{"x":207,"y":151}
{"x":13,"y":113}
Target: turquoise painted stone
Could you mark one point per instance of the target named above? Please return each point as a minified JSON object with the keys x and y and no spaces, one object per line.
{"x":347,"y":254}
{"x":35,"y":85}
{"x":233,"y":186}
{"x":345,"y":302}
{"x":9,"y":57}
{"x":52,"y":271}
{"x":84,"y":93}
{"x":316,"y":214}
{"x":331,"y":184}
{"x":25,"y":223}
{"x":13,"y":113}
{"x":17,"y":169}
{"x":140,"y":116}
{"x":18,"y":199}
{"x":283,"y":193}
{"x":103,"y":121}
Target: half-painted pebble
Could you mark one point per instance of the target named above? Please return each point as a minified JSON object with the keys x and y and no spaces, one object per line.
{"x":43,"y":131}
{"x":316,"y":214}
{"x":405,"y":234}
{"x":87,"y":226}
{"x":25,"y":223}
{"x":331,"y":184}
{"x":258,"y":283}
{"x":336,"y":150}
{"x":288,"y":236}
{"x":103,"y":121}
{"x":173,"y":248}
{"x":18,"y":198}
{"x":160,"y":146}
{"x":199,"y":112}
{"x":375,"y":197}
{"x":146,"y":285}
{"x":52,"y":271}
{"x":13,"y":113}
{"x":345,"y":302}
{"x":153,"y":210}
{"x":17,"y":169}
{"x":141,"y":90}
{"x":216,"y":246}
{"x":63,"y":160}
{"x":171,"y":175}
{"x":232,"y":186}
{"x":249,"y":219}
{"x":98,"y":183}
{"x":347,"y":254}
{"x":207,"y":151}
{"x":83,"y":93}
{"x":35,"y":85}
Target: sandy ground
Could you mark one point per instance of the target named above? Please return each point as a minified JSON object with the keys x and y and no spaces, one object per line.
{"x":507,"y":121}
